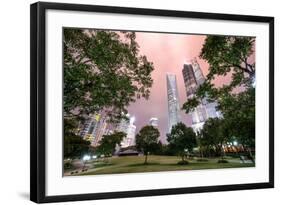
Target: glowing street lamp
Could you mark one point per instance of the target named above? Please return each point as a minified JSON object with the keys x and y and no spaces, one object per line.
{"x":235,"y":143}
{"x":85,"y":159}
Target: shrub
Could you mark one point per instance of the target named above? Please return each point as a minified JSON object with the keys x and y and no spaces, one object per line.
{"x":183,"y":162}
{"x":222,"y":161}
{"x":202,"y":160}
{"x":68,"y":165}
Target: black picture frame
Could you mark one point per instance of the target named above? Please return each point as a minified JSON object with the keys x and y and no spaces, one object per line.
{"x":38,"y":101}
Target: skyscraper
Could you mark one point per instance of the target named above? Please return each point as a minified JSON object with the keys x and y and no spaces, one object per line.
{"x":128,"y":127}
{"x":173,"y":101}
{"x":90,"y":125}
{"x":131,"y":134}
{"x":197,"y":72}
{"x":94,"y":128}
{"x":100,"y":130}
{"x":193,"y":78}
{"x":189,"y":80}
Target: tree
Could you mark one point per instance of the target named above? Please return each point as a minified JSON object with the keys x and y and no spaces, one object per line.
{"x":215,"y":133}
{"x":204,"y":145}
{"x":182,"y":139}
{"x":103,"y":70}
{"x":74,"y":145}
{"x":239,"y":114}
{"x":108,"y":143}
{"x":225,"y":55}
{"x":147,"y":140}
{"x":228,"y":53}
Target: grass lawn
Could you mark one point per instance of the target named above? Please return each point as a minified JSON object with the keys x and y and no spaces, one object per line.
{"x":133,"y":164}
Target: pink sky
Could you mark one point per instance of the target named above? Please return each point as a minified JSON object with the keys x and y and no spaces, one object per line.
{"x":168,"y":52}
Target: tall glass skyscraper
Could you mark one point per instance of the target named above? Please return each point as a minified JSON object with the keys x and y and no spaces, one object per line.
{"x":128,"y":127}
{"x":173,"y":101}
{"x":193,"y":78}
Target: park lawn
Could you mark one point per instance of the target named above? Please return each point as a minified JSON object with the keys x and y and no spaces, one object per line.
{"x":134,"y":164}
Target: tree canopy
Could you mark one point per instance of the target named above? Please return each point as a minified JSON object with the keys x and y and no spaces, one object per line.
{"x":226,"y":55}
{"x":182,"y":139}
{"x":147,"y":140}
{"x":239,"y":115}
{"x":74,"y":145}
{"x":108,"y":143}
{"x":215,"y":134}
{"x":103,"y":70}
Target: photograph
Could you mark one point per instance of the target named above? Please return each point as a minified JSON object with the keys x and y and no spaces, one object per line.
{"x":142,"y":101}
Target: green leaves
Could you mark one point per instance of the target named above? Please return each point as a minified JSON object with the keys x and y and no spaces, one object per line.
{"x":147,"y":139}
{"x":103,"y":71}
{"x":225,"y":55}
{"x":190,"y":105}
{"x":239,"y":114}
{"x":109,"y":142}
{"x":181,"y":138}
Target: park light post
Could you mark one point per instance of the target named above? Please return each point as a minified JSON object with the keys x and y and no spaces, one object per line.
{"x":85,"y":159}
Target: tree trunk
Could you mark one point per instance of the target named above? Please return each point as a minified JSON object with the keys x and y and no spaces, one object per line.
{"x":222,"y":151}
{"x":145,"y":160}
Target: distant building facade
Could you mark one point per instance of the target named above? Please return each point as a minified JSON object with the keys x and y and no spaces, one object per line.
{"x":94,"y":128}
{"x":173,"y":101}
{"x":193,"y":78}
{"x":128,"y":127}
{"x":100,"y":130}
{"x":90,"y":125}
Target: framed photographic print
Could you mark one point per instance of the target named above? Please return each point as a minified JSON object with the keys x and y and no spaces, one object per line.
{"x":129,"y":102}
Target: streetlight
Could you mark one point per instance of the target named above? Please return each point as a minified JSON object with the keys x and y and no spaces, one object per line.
{"x":235,"y":143}
{"x":85,"y":159}
{"x":186,"y":152}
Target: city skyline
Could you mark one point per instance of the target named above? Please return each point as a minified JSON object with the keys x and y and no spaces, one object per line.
{"x":135,"y":94}
{"x":182,"y":53}
{"x":168,"y":52}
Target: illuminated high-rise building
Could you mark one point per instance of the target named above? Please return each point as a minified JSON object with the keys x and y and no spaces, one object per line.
{"x":90,"y":125}
{"x":173,"y":101}
{"x":189,"y":80}
{"x":193,"y":78}
{"x":94,"y":128}
{"x":131,"y":134}
{"x":127,"y":126}
{"x":100,"y":130}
